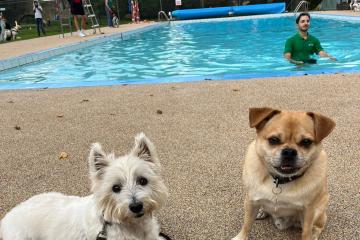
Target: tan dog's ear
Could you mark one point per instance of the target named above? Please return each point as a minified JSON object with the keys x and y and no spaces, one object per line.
{"x":323,"y":126}
{"x":259,"y":116}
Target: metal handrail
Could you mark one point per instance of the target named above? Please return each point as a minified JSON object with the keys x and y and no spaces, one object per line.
{"x":305,"y":3}
{"x":164,"y":14}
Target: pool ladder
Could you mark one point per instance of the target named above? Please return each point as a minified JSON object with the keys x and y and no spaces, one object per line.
{"x":89,"y":10}
{"x":162,"y":13}
{"x":301,"y":3}
{"x":64,"y":15}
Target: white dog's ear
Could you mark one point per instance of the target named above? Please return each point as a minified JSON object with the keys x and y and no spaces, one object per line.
{"x":97,"y":160}
{"x":144,"y":149}
{"x":258,"y":117}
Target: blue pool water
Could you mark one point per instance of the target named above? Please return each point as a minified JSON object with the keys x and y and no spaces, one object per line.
{"x":190,"y":51}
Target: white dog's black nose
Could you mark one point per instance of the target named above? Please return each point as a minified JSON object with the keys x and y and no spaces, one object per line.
{"x":289,"y":153}
{"x":136,"y":207}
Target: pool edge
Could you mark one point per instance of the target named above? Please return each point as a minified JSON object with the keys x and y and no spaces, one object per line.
{"x":36,"y":56}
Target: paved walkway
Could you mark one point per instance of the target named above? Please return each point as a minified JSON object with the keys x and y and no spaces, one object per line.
{"x":345,"y":12}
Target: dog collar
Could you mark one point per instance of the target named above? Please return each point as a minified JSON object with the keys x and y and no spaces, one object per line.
{"x":283,"y":180}
{"x":164,"y":236}
{"x":102,"y":235}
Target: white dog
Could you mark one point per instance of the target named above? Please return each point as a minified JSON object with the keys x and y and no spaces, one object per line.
{"x":10,"y":34}
{"x":126,"y":190}
{"x":355,"y":5}
{"x":115,"y":20}
{"x":15,"y":30}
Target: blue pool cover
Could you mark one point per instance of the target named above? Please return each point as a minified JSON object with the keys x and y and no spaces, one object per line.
{"x":270,"y":8}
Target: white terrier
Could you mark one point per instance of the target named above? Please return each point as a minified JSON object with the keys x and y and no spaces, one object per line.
{"x":115,"y":21}
{"x":126,"y":190}
{"x":14,"y":31}
{"x":355,"y":5}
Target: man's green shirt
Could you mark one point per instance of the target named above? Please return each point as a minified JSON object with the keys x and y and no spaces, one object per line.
{"x":300,"y":48}
{"x":110,"y":3}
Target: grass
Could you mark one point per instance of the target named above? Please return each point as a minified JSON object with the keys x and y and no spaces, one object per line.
{"x":29,"y":31}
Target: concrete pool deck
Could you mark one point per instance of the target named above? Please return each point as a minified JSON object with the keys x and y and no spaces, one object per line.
{"x":345,"y":12}
{"x":201,"y":138}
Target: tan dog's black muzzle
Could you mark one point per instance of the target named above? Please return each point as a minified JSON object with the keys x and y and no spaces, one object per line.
{"x":288,"y":163}
{"x":288,"y":154}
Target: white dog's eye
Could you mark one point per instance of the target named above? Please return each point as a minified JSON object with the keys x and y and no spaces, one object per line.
{"x":142,"y":181}
{"x":116,"y":188}
{"x":274,"y":140}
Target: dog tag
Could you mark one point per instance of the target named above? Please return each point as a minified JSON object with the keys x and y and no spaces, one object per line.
{"x":276,"y":191}
{"x":101,"y":236}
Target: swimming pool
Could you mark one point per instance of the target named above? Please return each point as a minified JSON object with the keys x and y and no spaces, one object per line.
{"x":231,"y":48}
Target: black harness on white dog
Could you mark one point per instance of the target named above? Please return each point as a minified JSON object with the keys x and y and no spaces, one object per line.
{"x":102,"y":235}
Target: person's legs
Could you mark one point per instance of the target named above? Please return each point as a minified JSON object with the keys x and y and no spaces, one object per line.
{"x":83,"y":22}
{"x":76,"y":23}
{"x":38,"y":25}
{"x":81,"y":34}
{"x":109,"y":18}
{"x":42,"y":26}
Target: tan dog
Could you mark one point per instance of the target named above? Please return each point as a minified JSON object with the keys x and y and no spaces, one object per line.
{"x":285,"y":171}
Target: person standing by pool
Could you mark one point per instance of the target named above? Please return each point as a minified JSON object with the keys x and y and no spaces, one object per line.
{"x":77,"y":10}
{"x":109,"y":12}
{"x":299,"y":47}
{"x":38,"y":11}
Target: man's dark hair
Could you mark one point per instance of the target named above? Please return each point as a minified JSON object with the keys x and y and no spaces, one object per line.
{"x":300,"y":15}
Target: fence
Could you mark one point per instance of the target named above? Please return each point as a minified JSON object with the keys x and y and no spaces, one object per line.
{"x":21,"y":10}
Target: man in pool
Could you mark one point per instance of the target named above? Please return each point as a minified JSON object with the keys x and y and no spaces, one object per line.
{"x":299,"y":47}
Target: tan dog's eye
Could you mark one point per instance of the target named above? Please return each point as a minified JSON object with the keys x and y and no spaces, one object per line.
{"x":305,"y":142}
{"x":274,"y":141}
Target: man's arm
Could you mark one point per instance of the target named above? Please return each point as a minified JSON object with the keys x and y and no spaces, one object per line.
{"x":288,"y":51}
{"x":322,"y":53}
{"x":107,"y":6}
{"x":287,"y":56}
